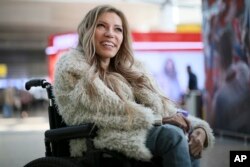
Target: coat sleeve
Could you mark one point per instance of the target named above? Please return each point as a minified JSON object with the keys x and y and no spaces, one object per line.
{"x":105,"y":108}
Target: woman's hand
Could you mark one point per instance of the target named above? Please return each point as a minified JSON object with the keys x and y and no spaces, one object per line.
{"x":178,"y":120}
{"x":196,"y":142}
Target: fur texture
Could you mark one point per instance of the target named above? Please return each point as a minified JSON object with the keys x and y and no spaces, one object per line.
{"x":107,"y":110}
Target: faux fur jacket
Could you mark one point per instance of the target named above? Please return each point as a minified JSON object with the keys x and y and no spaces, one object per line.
{"x":107,"y":110}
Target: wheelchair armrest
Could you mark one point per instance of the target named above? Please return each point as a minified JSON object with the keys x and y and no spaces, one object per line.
{"x":87,"y":130}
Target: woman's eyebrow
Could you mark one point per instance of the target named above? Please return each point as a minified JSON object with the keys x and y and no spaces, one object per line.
{"x":103,"y":22}
{"x":119,"y":26}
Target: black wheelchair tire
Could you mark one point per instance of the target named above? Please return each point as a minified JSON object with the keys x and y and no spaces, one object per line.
{"x":51,"y":162}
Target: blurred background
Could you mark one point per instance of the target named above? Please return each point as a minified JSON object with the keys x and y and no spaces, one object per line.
{"x":210,"y":36}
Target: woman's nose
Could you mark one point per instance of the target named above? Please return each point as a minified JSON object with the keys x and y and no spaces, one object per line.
{"x":109,"y":33}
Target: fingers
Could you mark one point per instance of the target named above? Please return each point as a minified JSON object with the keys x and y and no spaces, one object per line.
{"x":194,"y":150}
{"x":200,"y":134}
{"x":195,"y":146}
{"x":185,"y":123}
{"x":177,"y":120}
{"x":188,"y":123}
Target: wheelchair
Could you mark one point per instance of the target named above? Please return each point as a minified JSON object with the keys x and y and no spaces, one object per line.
{"x":56,"y":139}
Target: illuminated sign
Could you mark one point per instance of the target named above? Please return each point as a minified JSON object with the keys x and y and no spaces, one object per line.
{"x":3,"y":70}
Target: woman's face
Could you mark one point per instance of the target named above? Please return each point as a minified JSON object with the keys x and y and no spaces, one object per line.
{"x":108,"y":35}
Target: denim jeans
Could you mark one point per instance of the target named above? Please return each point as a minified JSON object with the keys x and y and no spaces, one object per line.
{"x":170,"y":143}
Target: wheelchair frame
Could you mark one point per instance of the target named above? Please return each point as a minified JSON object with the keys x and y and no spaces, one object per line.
{"x":57,"y":141}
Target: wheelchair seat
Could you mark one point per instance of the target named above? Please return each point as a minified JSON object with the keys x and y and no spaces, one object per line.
{"x":57,"y":149}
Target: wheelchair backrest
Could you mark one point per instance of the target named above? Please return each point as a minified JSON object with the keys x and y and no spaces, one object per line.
{"x":60,"y":148}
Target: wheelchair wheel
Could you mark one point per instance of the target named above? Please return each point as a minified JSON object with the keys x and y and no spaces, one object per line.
{"x":51,"y":162}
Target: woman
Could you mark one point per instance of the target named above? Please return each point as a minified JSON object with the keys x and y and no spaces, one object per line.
{"x":100,"y":82}
{"x":168,"y":81}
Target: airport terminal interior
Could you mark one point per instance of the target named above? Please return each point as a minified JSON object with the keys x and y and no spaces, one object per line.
{"x":212,"y":37}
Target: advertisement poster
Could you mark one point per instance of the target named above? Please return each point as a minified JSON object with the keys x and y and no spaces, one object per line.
{"x":226,"y":26}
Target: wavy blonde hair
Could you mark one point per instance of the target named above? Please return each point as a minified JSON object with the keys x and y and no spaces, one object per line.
{"x":120,"y":67}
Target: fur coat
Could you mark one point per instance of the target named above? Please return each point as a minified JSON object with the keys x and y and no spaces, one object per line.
{"x":116,"y":130}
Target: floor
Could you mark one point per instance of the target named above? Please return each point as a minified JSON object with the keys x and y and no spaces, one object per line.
{"x":21,"y":140}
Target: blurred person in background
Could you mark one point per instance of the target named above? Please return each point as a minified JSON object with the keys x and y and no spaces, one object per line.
{"x":168,"y":81}
{"x":192,"y":79}
{"x":9,"y":102}
{"x":101,"y":82}
{"x":26,"y":100}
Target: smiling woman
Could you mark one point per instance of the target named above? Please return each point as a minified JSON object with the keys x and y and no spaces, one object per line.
{"x":100,"y":82}
{"x":108,"y":37}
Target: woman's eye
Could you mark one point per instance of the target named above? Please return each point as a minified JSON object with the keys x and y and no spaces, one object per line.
{"x":119,"y":29}
{"x":100,"y":25}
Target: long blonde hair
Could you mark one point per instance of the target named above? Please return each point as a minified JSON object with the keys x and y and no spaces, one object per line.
{"x":121,"y":64}
{"x":120,"y":67}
